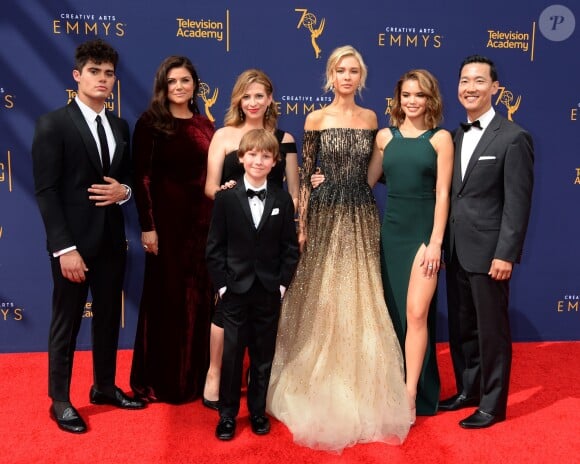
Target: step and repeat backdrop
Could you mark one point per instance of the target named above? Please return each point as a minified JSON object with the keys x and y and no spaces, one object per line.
{"x":535,"y":45}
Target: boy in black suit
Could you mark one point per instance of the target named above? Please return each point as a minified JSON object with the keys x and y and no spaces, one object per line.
{"x":82,"y":172}
{"x":252,"y":252}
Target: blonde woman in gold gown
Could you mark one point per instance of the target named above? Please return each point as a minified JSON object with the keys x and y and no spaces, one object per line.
{"x":338,"y":377}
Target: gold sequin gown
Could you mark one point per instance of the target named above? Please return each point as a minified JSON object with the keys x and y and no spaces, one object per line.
{"x":337,"y":377}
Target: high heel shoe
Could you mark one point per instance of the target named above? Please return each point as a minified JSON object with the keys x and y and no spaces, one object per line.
{"x":215,"y":405}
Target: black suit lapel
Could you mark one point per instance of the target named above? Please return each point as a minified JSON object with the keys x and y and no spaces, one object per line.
{"x":489,"y":134}
{"x":88,"y":139}
{"x":267,"y":209}
{"x":458,"y":141}
{"x":119,"y":143}
{"x":240,"y":191}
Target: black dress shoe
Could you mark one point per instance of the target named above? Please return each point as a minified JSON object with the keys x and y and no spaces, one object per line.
{"x":210,"y":404}
{"x":457,"y":402}
{"x":480,"y":420}
{"x":69,"y":421}
{"x":260,"y":425}
{"x":118,"y":399}
{"x":226,"y":428}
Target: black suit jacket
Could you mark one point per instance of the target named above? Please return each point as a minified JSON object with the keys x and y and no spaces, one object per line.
{"x":66,"y":162}
{"x":238,"y":253}
{"x":490,"y":207}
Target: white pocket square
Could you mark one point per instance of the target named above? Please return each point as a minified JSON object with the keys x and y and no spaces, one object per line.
{"x":487,"y":158}
{"x":275,"y":211}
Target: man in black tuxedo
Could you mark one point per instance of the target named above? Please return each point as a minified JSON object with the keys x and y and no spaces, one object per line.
{"x":252,"y":252}
{"x":490,"y":206}
{"x":81,"y":165}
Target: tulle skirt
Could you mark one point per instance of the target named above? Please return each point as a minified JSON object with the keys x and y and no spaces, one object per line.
{"x":338,"y":376}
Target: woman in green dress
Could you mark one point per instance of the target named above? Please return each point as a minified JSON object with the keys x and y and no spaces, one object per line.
{"x":416,"y":157}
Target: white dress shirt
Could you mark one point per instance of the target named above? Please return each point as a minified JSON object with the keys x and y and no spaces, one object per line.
{"x":256,"y":205}
{"x":472,"y":137}
{"x":91,"y":117}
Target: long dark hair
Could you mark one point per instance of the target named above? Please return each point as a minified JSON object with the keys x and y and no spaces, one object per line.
{"x":158,"y":112}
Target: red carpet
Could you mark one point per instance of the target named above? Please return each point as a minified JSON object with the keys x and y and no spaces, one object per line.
{"x":542,"y":424}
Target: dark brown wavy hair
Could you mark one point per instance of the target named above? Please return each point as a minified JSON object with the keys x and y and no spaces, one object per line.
{"x":158,"y":112}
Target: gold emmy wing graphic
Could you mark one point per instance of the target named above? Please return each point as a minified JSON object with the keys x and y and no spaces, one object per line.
{"x":203,"y":92}
{"x":506,"y":98}
{"x":309,"y":20}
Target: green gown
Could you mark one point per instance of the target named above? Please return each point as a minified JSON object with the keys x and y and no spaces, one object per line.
{"x":410,"y":167}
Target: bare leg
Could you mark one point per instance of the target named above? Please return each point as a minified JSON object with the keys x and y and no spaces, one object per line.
{"x":419,"y":294}
{"x":216,"y":349}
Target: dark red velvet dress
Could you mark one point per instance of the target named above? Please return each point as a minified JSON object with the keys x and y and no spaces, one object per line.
{"x":171,"y":353}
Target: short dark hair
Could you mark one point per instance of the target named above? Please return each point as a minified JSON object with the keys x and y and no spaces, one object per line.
{"x":480,"y":59}
{"x":97,"y":51}
{"x":259,"y":140}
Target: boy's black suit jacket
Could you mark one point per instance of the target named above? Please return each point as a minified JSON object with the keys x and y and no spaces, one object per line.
{"x":237,"y":252}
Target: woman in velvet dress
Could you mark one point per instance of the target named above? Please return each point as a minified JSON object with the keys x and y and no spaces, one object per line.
{"x":170,"y":146}
{"x":252,"y":106}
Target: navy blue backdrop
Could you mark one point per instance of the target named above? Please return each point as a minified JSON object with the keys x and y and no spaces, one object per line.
{"x":535,"y":45}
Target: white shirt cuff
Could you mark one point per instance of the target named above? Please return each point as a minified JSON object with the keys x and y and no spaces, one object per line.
{"x":58,"y":253}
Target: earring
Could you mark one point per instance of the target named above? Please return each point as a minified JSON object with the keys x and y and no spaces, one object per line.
{"x":267,"y":113}
{"x":242,"y":115}
{"x":359,"y":88}
{"x":191,"y":100}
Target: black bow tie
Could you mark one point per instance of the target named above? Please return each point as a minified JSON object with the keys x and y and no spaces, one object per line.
{"x":261,"y":194}
{"x":468,"y":125}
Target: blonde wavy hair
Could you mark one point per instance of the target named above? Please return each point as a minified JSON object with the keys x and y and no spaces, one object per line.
{"x":337,"y":55}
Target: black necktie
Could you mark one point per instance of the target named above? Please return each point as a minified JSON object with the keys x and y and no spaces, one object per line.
{"x":105,"y":159}
{"x":261,"y":194}
{"x":468,"y":125}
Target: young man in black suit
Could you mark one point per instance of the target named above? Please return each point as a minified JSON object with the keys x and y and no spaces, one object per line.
{"x":491,"y":194}
{"x":252,"y":252}
{"x":81,"y":168}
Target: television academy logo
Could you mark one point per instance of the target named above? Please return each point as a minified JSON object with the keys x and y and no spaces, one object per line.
{"x":308,"y":20}
{"x":389,"y":106}
{"x":113,"y":103}
{"x":88,"y":310}
{"x":6,"y":170}
{"x":205,"y":29}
